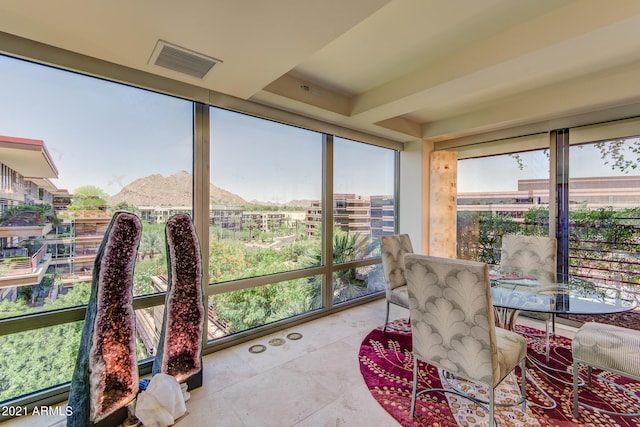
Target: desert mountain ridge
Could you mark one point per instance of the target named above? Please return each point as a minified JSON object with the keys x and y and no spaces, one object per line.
{"x":175,"y":190}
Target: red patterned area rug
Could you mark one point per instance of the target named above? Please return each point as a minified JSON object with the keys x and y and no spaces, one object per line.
{"x":386,"y":363}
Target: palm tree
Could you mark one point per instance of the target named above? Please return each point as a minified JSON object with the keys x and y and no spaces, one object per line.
{"x":347,"y":247}
{"x":151,"y":242}
{"x":251,"y":225}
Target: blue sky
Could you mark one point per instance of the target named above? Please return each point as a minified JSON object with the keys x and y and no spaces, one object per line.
{"x":97,"y":133}
{"x":107,"y":135}
{"x":254,"y":156}
{"x":501,"y":173}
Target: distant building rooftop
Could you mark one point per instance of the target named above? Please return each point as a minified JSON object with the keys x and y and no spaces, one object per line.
{"x":28,"y":157}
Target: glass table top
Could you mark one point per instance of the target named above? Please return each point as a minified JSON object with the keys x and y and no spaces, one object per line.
{"x":571,"y":295}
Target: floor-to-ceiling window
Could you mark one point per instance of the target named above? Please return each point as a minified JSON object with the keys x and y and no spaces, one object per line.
{"x":77,"y":149}
{"x":604,"y":211}
{"x":266,"y":190}
{"x":498,"y":194}
{"x":593,"y":184}
{"x":271,"y":185}
{"x":364,"y":209}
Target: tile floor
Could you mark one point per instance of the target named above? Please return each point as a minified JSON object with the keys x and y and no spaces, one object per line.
{"x":311,"y":382}
{"x":314,"y":381}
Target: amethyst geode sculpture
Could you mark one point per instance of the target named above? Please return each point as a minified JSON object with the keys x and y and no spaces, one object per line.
{"x":180,"y":347}
{"x":105,"y":379}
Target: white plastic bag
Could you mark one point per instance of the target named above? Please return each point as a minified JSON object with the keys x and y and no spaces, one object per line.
{"x":161,"y":403}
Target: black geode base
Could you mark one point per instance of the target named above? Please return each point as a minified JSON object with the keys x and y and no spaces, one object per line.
{"x":115,"y":419}
{"x":194,"y":381}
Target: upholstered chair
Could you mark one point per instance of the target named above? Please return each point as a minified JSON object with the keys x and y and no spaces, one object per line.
{"x":608,"y":348}
{"x":529,"y":256}
{"x":453,"y":327}
{"x":393,"y":249}
{"x":532,"y":256}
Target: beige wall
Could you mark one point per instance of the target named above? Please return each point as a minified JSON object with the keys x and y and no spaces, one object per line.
{"x":414,"y":177}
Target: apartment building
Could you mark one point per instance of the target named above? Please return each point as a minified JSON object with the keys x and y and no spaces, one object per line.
{"x":38,"y":235}
{"x":25,"y":190}
{"x":595,"y":192}
{"x":373,"y":216}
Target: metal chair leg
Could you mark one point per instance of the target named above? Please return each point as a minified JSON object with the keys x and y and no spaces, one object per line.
{"x":523,"y":383}
{"x":575,"y":389}
{"x":386,"y":319}
{"x":547,"y":338}
{"x":415,"y":386}
{"x":492,"y":418}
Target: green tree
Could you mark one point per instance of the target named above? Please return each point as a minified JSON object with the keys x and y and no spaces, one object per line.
{"x":620,"y":154}
{"x":144,"y":272}
{"x":124,"y":206}
{"x":605,"y":239}
{"x":76,"y":295}
{"x":250,"y":225}
{"x":226,"y":260}
{"x":11,"y":309}
{"x":37,"y":359}
{"x":89,"y":197}
{"x":347,"y":247}
{"x":492,"y":227}
{"x":536,"y":221}
{"x":249,"y":308}
{"x":152,"y":241}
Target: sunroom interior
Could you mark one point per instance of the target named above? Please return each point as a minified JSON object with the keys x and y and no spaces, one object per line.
{"x":363,"y":96}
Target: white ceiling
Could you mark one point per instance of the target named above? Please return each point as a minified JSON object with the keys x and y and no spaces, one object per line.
{"x":401,"y":69}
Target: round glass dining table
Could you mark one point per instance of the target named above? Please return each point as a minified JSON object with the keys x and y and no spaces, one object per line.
{"x":570,"y":295}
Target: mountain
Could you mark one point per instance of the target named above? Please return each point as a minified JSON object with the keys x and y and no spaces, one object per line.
{"x":174,"y":190}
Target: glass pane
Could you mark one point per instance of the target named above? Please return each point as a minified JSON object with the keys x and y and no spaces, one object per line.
{"x":264,"y":176}
{"x":352,"y":283}
{"x":363,"y":200}
{"x":604,"y":211}
{"x":46,"y":357}
{"x":38,"y":359}
{"x":63,"y":294}
{"x":148,"y":328}
{"x":508,"y":193}
{"x":77,"y":149}
{"x":241,"y":310}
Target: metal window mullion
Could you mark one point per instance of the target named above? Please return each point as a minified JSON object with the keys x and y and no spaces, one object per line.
{"x":396,"y":192}
{"x":253,"y":282}
{"x":59,"y":317}
{"x":201,"y":179}
{"x":562,"y":199}
{"x":553,"y":178}
{"x":327,"y":220}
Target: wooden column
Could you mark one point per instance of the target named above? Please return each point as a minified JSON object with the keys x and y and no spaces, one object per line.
{"x":443,"y":190}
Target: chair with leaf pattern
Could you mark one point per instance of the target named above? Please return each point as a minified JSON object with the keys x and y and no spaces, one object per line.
{"x":453,"y":327}
{"x":393,"y":249}
{"x":532,"y":256}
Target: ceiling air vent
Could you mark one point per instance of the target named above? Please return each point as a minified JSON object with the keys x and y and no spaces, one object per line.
{"x":182,"y":60}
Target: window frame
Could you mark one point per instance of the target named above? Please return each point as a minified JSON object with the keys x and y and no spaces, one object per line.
{"x":202,"y":100}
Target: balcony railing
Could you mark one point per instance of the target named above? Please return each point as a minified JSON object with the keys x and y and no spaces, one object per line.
{"x":15,"y":265}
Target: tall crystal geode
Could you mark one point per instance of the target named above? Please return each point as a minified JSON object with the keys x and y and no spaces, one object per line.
{"x":180,"y":347}
{"x":105,"y":379}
